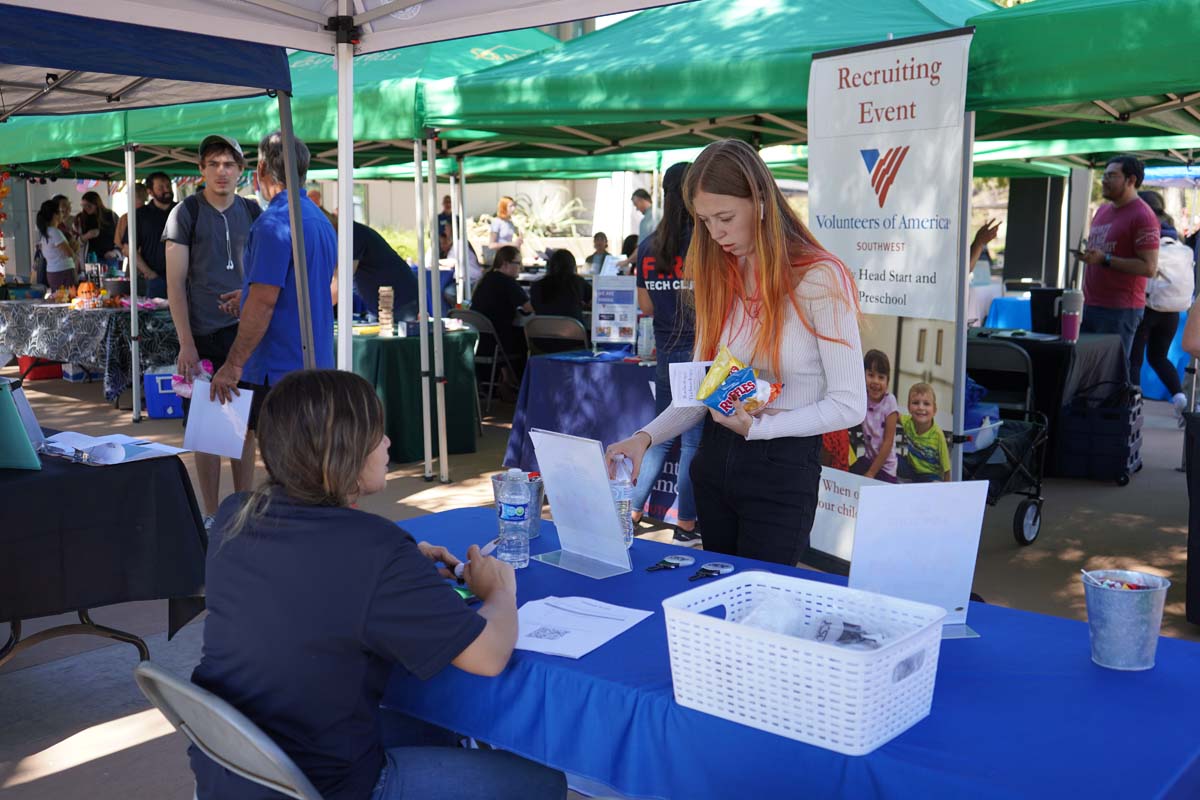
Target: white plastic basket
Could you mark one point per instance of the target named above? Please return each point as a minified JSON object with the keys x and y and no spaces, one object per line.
{"x":848,"y":701}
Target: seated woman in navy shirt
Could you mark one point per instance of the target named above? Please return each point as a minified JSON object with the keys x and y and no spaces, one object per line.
{"x":312,"y":603}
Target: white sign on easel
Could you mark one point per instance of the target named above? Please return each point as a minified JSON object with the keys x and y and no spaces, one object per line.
{"x":919,"y":541}
{"x":614,"y":309}
{"x":885,"y":144}
{"x":576,"y":479}
{"x":837,"y":511}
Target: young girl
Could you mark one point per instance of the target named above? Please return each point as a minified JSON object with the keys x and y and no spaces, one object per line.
{"x":54,"y":247}
{"x":879,"y":426}
{"x":766,"y":289}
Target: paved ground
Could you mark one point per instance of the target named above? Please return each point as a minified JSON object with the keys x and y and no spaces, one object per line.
{"x":73,"y":725}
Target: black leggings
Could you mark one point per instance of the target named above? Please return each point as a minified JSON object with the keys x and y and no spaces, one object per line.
{"x":756,"y":498}
{"x":1153,"y":339}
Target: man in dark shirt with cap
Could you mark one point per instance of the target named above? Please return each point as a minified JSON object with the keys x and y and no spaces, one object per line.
{"x":205,"y":239}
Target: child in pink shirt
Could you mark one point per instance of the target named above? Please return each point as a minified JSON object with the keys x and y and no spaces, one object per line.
{"x":879,"y":425}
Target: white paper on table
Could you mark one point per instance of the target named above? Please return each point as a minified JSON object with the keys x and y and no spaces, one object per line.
{"x":572,"y":626}
{"x":103,"y":451}
{"x":576,"y":478}
{"x":686,"y":377}
{"x":216,"y":428}
{"x":919,"y":541}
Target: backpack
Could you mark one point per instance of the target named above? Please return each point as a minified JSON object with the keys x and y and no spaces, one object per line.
{"x":192,"y":204}
{"x":1171,"y":289}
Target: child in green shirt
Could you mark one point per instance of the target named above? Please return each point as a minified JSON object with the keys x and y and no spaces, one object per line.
{"x":928,"y":458}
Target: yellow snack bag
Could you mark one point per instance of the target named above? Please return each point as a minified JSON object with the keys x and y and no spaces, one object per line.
{"x":722,"y":367}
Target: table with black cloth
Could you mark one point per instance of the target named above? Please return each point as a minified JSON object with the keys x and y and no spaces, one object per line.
{"x":595,"y":397}
{"x":96,"y":338}
{"x":1019,"y":713}
{"x":393,"y":366}
{"x":77,"y":537}
{"x":1094,"y":366}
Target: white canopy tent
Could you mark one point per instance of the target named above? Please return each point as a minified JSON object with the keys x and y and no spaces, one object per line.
{"x":344,"y":28}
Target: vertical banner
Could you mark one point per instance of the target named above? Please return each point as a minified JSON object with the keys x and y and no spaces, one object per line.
{"x":885,"y":169}
{"x":614,"y":309}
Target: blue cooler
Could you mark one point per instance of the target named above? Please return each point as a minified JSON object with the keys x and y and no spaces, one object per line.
{"x":161,"y":400}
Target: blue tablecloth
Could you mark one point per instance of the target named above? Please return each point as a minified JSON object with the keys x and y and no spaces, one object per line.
{"x":1020,"y":713}
{"x":603,"y":398}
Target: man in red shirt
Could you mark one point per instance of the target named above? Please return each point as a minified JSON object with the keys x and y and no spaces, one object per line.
{"x":1122,"y":253}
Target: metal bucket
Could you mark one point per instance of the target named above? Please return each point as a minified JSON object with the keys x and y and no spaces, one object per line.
{"x":1123,"y":624}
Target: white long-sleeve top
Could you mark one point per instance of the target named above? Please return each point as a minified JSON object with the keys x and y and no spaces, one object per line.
{"x":823,"y":385}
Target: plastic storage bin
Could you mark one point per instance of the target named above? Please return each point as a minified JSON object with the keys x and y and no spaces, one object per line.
{"x":161,"y":400}
{"x":43,"y":371}
{"x":848,"y":701}
{"x":78,"y":373}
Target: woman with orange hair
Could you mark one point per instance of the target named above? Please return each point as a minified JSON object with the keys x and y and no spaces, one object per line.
{"x":503,"y":231}
{"x":766,"y":289}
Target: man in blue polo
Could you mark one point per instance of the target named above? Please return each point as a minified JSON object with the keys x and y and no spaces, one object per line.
{"x":268,"y":340}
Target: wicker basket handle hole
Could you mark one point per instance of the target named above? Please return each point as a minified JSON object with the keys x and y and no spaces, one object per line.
{"x":908,"y":666}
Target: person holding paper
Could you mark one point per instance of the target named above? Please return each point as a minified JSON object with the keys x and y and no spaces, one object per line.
{"x":661,"y":287}
{"x":765,"y":288}
{"x":313,"y":603}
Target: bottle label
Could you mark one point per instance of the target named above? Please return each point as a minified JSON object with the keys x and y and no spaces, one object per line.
{"x":514,"y":512}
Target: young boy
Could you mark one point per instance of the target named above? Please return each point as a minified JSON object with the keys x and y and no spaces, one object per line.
{"x":928,"y":458}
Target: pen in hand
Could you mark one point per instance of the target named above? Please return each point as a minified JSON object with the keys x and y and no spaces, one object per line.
{"x":487,"y":550}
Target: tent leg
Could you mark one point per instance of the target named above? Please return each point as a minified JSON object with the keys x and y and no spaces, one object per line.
{"x":422,"y":306}
{"x":345,"y":204}
{"x":463,"y":243}
{"x":961,"y":278}
{"x":294,"y":192}
{"x":135,"y":346}
{"x":460,"y":267}
{"x":439,"y":361}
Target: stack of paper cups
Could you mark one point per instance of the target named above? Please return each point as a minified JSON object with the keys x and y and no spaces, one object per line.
{"x":386,"y":304}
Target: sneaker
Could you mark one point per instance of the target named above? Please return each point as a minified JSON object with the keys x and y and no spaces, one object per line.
{"x":209,"y":519}
{"x":687,"y":538}
{"x":1179,"y":403}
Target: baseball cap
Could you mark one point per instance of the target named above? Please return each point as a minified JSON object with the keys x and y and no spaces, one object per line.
{"x":228,"y":141}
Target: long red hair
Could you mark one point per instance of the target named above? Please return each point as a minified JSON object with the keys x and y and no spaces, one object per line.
{"x":785,"y":253}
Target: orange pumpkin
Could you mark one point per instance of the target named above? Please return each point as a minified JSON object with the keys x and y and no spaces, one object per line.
{"x":85,"y":289}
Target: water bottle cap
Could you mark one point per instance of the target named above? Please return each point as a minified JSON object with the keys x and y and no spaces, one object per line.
{"x":515,"y":472}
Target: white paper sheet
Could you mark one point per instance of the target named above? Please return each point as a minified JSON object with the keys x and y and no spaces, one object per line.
{"x":920,"y":542}
{"x":572,"y":626}
{"x":576,"y":479}
{"x":215,"y":428}
{"x":686,"y":377}
{"x":102,"y":451}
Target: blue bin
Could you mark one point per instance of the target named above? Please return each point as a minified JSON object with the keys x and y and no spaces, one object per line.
{"x":161,"y":400}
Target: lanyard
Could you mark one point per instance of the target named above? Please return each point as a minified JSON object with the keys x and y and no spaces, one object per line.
{"x":228,"y":244}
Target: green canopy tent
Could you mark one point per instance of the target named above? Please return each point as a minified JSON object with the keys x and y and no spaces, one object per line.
{"x":387,"y":113}
{"x":683,"y":75}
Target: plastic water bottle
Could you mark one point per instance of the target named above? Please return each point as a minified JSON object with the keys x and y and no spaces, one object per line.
{"x":512,"y":508}
{"x":622,"y":492}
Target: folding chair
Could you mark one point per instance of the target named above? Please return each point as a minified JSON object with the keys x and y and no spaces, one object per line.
{"x":222,"y":732}
{"x":549,"y":334}
{"x":483,"y":326}
{"x":1005,"y":369}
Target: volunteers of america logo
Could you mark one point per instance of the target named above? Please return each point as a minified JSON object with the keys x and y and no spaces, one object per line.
{"x":883,"y":169}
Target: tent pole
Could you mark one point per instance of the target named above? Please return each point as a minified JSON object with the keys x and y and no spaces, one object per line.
{"x":345,"y":204}
{"x":463,"y":244}
{"x":460,"y":268}
{"x":135,"y":346}
{"x":422,"y":306}
{"x":961,"y":281}
{"x":435,"y":271}
{"x":294,"y":192}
